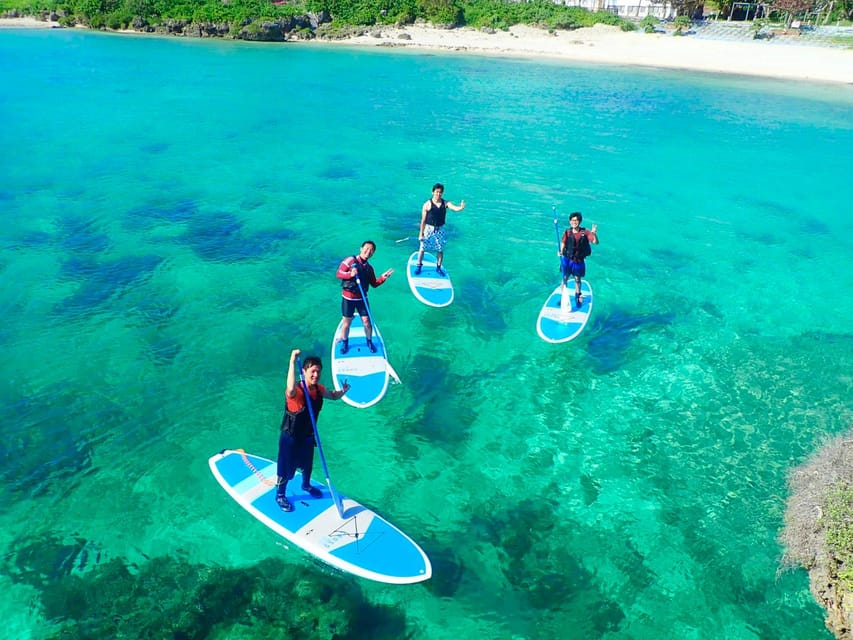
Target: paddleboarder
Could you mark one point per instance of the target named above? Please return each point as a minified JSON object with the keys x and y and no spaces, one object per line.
{"x":296,"y":442}
{"x":432,"y":235}
{"x":574,"y":249}
{"x":352,"y":271}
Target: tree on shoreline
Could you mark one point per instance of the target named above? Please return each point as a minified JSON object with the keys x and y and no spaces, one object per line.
{"x":792,"y":8}
{"x":818,"y":531}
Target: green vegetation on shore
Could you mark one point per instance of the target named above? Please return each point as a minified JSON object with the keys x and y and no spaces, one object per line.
{"x":497,"y":14}
{"x":839,"y":531}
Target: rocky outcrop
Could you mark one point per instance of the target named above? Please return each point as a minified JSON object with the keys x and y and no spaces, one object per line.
{"x":814,"y":515}
{"x":296,"y":27}
{"x":302,"y":27}
{"x":264,"y":31}
{"x":829,"y":591}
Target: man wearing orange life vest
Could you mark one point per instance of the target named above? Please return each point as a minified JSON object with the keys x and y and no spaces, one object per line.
{"x":296,"y":441}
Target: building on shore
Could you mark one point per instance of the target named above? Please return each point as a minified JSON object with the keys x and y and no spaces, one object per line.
{"x":625,"y":8}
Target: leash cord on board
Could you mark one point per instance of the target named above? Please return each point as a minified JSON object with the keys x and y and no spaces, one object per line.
{"x":253,"y":469}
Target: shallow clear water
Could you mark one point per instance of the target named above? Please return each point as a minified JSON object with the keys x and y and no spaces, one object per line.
{"x":174,"y":212}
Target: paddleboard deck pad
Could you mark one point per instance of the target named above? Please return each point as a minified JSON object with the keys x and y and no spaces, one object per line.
{"x":561,"y":320}
{"x":361,"y":542}
{"x":429,"y":286}
{"x":366,"y":372}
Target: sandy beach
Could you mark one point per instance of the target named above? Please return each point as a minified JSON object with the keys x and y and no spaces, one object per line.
{"x":609,"y":45}
{"x":26,"y":23}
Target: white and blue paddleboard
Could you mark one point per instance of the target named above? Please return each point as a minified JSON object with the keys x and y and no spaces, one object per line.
{"x":366,"y":372}
{"x":428,"y":286}
{"x":361,"y":542}
{"x":560,"y":319}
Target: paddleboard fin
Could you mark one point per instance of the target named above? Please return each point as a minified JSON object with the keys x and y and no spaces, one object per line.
{"x":392,"y":373}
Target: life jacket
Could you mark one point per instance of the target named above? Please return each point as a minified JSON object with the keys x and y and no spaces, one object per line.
{"x":437,"y":214}
{"x":577,"y":247}
{"x":350,"y":284}
{"x":298,"y":424}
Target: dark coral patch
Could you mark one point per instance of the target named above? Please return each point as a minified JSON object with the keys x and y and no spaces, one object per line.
{"x":441,"y":418}
{"x":52,"y":421}
{"x":102,"y":281}
{"x":173,"y":599}
{"x":219,"y":237}
{"x":146,"y":216}
{"x":614,"y":334}
{"x":79,"y":235}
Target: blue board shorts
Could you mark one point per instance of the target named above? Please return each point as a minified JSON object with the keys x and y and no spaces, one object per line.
{"x":349,"y":307}
{"x":434,"y":238}
{"x":572,"y":269}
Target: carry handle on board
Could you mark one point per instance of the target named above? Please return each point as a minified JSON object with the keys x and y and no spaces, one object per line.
{"x":335,"y":496}
{"x":388,"y":366}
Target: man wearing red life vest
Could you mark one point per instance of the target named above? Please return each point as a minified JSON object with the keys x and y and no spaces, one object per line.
{"x":296,"y":442}
{"x":574,"y":249}
{"x":353,"y":270}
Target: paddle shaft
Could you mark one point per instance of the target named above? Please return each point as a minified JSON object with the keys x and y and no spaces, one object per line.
{"x":556,"y":229}
{"x":366,"y":303}
{"x":335,"y":496}
{"x":388,"y":366}
{"x":557,"y":232}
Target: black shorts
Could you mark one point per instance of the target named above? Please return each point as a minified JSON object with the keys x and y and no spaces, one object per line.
{"x":349,"y":307}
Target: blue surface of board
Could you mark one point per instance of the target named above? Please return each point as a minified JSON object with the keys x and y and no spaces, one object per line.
{"x":428,"y":286}
{"x":366,"y":372}
{"x":561,"y":320}
{"x":361,"y":542}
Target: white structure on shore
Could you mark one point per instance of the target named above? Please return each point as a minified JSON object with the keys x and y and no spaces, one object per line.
{"x":625,"y":8}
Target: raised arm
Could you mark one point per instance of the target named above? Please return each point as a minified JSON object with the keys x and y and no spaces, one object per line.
{"x":290,"y":389}
{"x":455,"y":207}
{"x":374,"y":281}
{"x":593,"y":233}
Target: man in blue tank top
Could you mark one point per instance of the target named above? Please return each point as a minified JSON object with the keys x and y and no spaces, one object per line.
{"x":433,"y":215}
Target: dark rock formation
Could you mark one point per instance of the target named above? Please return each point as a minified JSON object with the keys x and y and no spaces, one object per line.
{"x":265,"y":31}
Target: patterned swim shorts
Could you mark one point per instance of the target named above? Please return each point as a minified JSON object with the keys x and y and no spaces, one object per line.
{"x":434,"y":238}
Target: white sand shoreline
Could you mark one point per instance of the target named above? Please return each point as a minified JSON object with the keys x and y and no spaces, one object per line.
{"x":610,"y":45}
{"x":603,"y":44}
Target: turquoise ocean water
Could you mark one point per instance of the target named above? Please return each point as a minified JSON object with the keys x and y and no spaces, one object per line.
{"x":173,"y":214}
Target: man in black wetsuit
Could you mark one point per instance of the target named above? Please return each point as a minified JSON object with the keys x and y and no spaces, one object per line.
{"x":296,"y":440}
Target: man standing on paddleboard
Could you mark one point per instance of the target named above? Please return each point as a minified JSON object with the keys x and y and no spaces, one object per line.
{"x":357,"y":276}
{"x":433,"y":215}
{"x":574,"y":249}
{"x":296,"y":441}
